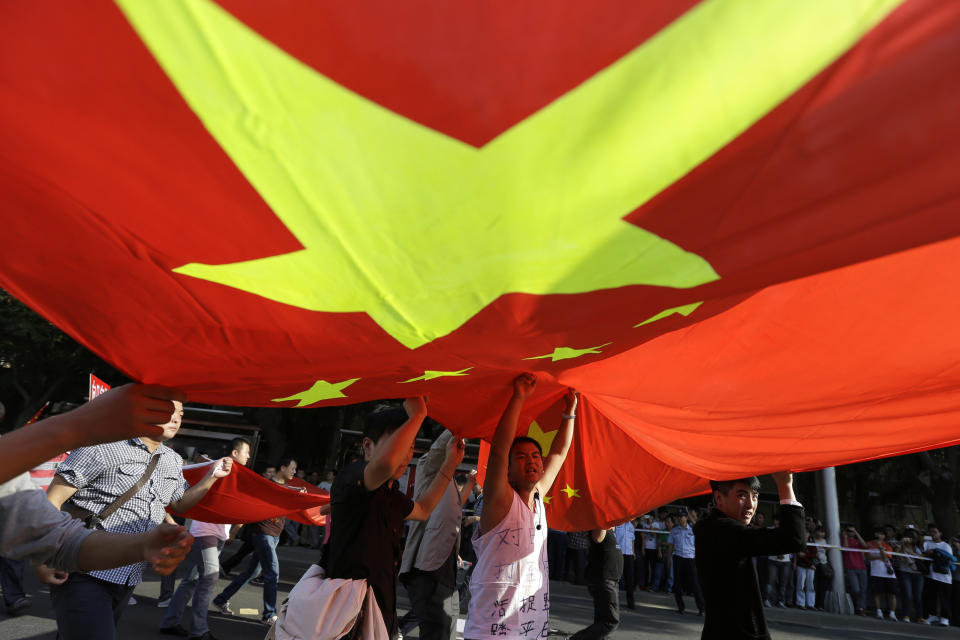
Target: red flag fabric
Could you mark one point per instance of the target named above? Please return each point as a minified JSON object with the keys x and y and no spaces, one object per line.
{"x":245,"y":496}
{"x":733,"y":232}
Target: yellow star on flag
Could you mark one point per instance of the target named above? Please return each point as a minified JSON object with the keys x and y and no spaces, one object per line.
{"x":320,"y":391}
{"x":545,"y":439}
{"x":430,"y":375}
{"x":685,"y":310}
{"x":547,"y":499}
{"x":571,"y":492}
{"x":422,"y":231}
{"x":565,"y":353}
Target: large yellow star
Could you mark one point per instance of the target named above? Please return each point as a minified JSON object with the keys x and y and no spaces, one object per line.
{"x":421,"y":231}
{"x":321,"y":390}
{"x":571,"y":492}
{"x":544,"y":439}
{"x":430,"y":375}
{"x":564,"y":353}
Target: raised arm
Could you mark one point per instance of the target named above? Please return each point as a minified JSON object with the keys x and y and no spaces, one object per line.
{"x":497,"y":492}
{"x":561,"y":443}
{"x":392,"y":449}
{"x":194,"y":494}
{"x":426,"y":503}
{"x":125,"y":412}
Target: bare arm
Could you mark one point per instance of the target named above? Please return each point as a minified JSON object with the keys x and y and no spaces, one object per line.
{"x":164,"y":547}
{"x":194,"y":494}
{"x":60,"y":491}
{"x":599,"y":535}
{"x":498,"y":494}
{"x":425,"y":505}
{"x":125,"y":412}
{"x":561,"y":444}
{"x":392,"y":449}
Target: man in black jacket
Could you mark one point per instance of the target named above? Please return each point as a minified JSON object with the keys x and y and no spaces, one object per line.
{"x":726,"y":547}
{"x":604,"y":566}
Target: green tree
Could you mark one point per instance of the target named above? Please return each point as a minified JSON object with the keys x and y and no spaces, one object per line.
{"x":38,"y":362}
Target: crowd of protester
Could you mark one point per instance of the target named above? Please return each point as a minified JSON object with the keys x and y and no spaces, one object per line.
{"x":911,"y":575}
{"x":432,"y":537}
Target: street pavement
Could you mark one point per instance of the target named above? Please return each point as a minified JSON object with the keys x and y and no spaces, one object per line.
{"x":655,"y":617}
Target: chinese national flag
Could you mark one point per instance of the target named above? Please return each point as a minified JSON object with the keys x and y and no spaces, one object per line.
{"x":733,"y":231}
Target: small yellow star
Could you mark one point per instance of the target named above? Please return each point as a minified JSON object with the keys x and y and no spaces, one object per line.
{"x":565,"y":353}
{"x":544,"y":438}
{"x":685,"y":310}
{"x":547,"y":499}
{"x":430,"y":375}
{"x":321,"y":390}
{"x":571,"y":492}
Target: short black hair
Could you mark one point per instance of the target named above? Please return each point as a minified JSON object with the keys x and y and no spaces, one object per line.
{"x":523,"y":439}
{"x":383,"y":422}
{"x":285,"y":461}
{"x":724,"y":486}
{"x":238,"y":442}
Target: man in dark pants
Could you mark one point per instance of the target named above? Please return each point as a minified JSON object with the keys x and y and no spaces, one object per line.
{"x":681,"y":552}
{"x":604,"y":566}
{"x":726,"y":546}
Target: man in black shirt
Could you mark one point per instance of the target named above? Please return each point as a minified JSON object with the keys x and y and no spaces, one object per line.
{"x":725,"y":547}
{"x":604,"y":566}
{"x":367,"y":508}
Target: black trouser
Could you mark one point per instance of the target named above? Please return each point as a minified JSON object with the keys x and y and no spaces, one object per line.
{"x":934,"y":591}
{"x":606,"y":611}
{"x":577,"y":559}
{"x":685,"y":579}
{"x":629,"y":579}
{"x":88,"y":608}
{"x":435,"y":605}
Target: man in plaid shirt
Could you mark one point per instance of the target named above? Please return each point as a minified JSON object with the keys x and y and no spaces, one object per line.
{"x":89,"y":605}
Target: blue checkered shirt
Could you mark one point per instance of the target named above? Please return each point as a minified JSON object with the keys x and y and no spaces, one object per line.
{"x":104,"y":472}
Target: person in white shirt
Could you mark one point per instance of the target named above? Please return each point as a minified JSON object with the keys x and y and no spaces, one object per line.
{"x":939,"y":579}
{"x":625,"y":534}
{"x":203,"y":568}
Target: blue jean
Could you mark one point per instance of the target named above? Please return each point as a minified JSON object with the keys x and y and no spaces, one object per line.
{"x":88,"y":608}
{"x":857,"y":586}
{"x":11,"y":579}
{"x":203,"y":569}
{"x":911,"y":604}
{"x":265,"y":559}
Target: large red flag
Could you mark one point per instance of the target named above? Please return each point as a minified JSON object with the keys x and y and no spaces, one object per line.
{"x":731,"y":230}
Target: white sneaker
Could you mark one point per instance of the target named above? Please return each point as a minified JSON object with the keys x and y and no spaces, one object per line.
{"x":892,"y":616}
{"x":132,"y":600}
{"x":163,"y":604}
{"x":879,"y":614}
{"x":905,"y":619}
{"x":944,"y":622}
{"x":931,"y":620}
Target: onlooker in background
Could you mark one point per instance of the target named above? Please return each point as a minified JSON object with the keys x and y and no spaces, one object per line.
{"x":202,"y":568}
{"x":682,"y":554}
{"x":577,"y":544}
{"x":651,"y":553}
{"x":328,"y":481}
{"x":624,"y":535}
{"x":778,"y":575}
{"x":666,"y":567}
{"x":823,"y":572}
{"x":604,"y":567}
{"x":855,"y":568}
{"x":911,"y":578}
{"x":264,"y":536}
{"x":805,"y":570}
{"x":883,"y":577}
{"x":937,"y":585}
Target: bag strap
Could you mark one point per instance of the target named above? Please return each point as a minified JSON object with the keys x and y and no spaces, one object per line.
{"x":132,"y":491}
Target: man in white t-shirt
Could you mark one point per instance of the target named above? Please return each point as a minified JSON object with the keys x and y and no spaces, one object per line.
{"x":510,"y":586}
{"x":939,"y":579}
{"x":203,"y":568}
{"x":651,"y":551}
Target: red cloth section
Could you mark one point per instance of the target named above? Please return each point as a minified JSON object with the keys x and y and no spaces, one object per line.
{"x":245,"y":496}
{"x":832,"y":222}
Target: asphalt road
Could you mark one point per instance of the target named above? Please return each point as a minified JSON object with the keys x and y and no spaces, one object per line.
{"x":655,"y":616}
